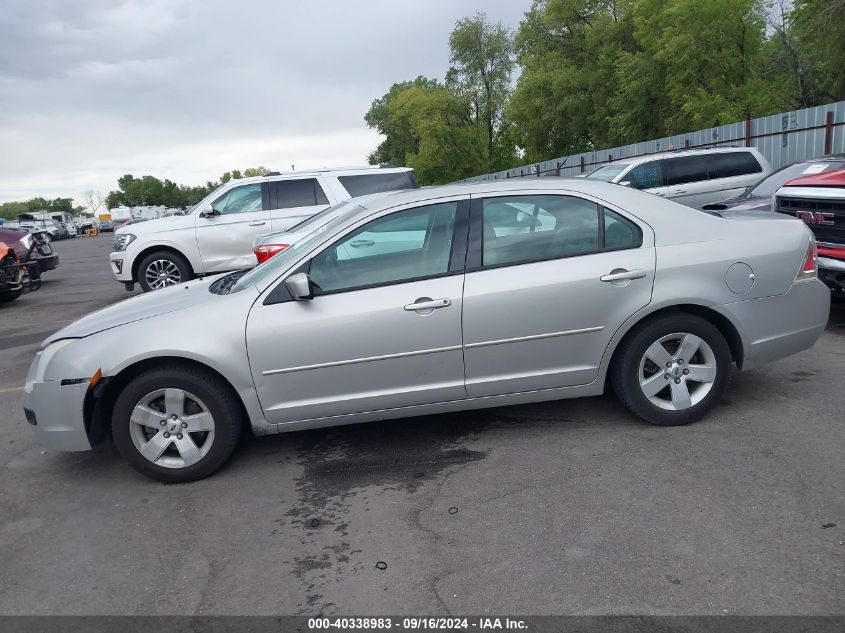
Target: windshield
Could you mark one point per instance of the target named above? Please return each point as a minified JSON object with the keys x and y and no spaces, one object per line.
{"x":311,"y":231}
{"x":608,"y":172}
{"x":767,"y":187}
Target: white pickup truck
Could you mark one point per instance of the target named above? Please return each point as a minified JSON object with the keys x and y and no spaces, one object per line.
{"x":216,"y":235}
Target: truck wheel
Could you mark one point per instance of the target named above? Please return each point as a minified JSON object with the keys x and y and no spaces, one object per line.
{"x":161,"y":269}
{"x":176,"y":424}
{"x":672,"y":370}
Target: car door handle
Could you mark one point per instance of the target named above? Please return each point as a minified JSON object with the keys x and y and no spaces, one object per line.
{"x":623,"y":275}
{"x":425,"y":303}
{"x":262,"y":223}
{"x":360,"y":243}
{"x":679,"y":192}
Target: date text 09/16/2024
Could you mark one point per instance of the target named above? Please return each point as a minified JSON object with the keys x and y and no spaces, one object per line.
{"x":418,"y":623}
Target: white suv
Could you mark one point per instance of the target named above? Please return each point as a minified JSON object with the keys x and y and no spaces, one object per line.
{"x":691,"y":177}
{"x":216,"y":235}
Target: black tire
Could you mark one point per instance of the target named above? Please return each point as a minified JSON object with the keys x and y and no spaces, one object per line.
{"x":8,"y":297}
{"x":179,"y":262}
{"x":625,"y":370}
{"x":214,"y":393}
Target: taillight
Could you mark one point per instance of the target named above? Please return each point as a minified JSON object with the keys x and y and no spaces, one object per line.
{"x":809,"y":266}
{"x":266,"y":251}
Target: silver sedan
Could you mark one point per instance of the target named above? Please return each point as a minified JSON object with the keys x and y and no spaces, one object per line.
{"x":435,"y":300}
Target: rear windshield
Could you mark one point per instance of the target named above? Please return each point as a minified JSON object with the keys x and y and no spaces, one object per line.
{"x":363,"y":184}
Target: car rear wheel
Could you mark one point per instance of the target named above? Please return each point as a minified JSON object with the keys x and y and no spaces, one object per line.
{"x":176,"y":424}
{"x":161,"y":269}
{"x":672,"y":370}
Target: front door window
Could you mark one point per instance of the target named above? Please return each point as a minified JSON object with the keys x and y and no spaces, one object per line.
{"x":403,"y":246}
{"x":244,"y":199}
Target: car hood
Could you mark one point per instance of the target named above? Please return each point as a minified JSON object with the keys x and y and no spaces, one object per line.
{"x":159,"y":225}
{"x":145,"y":306}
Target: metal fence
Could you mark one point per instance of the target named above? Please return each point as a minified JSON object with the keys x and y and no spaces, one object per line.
{"x":782,"y":138}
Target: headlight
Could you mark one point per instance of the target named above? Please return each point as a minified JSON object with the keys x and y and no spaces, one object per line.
{"x":121,"y":241}
{"x":26,"y":240}
{"x":43,"y":358}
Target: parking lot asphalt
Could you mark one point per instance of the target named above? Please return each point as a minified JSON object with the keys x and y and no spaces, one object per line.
{"x":570,"y":507}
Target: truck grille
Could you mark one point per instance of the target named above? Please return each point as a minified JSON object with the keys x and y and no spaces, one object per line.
{"x":826,"y":218}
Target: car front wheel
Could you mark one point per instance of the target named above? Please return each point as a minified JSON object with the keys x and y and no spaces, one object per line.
{"x":672,"y":370}
{"x":176,"y":424}
{"x":161,"y":269}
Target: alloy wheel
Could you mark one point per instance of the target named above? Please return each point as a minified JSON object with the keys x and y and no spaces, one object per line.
{"x":677,"y":371}
{"x":172,"y":428}
{"x":161,"y":273}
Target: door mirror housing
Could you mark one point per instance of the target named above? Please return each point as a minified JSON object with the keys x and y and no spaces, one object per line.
{"x":625,"y":183}
{"x":209,"y":213}
{"x":299,"y":287}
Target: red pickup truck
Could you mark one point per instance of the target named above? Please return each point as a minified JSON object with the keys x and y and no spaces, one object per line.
{"x":819,"y":200}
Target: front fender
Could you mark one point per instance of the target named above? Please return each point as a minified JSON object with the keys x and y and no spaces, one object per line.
{"x":177,"y":335}
{"x":187,"y":248}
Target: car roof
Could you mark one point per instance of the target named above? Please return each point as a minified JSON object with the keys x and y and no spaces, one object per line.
{"x":333,"y":171}
{"x":643,"y":204}
{"x":675,"y":153}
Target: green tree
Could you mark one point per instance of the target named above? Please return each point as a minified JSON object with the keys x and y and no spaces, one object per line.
{"x":819,"y":30}
{"x":151,"y":191}
{"x":569,"y":51}
{"x":399,"y":139}
{"x":599,"y":73}
{"x":481,"y":65}
{"x":709,"y":52}
{"x":449,"y":144}
{"x":10,"y":210}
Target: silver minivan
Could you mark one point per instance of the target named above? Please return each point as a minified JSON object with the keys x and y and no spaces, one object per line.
{"x":691,"y":177}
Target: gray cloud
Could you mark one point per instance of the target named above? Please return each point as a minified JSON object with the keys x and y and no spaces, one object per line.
{"x":92,"y":89}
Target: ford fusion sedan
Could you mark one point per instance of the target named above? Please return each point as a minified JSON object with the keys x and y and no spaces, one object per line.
{"x":216,"y":235}
{"x":434,"y":300}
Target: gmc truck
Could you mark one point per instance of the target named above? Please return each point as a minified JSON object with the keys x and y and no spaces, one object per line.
{"x":819,"y":200}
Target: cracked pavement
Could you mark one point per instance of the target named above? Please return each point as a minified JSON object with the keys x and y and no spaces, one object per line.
{"x":570,"y":507}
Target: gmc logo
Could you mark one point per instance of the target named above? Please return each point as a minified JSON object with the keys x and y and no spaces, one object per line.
{"x":815,"y":217}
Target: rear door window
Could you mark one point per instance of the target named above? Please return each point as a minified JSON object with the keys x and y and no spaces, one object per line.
{"x":522,"y":229}
{"x":363,"y":184}
{"x":300,"y":192}
{"x":684,"y":169}
{"x":732,"y":164}
{"x":620,"y":232}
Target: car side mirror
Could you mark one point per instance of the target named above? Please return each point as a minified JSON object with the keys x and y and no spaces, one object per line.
{"x":299,"y":287}
{"x":209,"y":213}
{"x":625,"y":183}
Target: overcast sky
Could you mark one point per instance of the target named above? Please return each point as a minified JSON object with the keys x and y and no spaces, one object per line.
{"x":188,"y":89}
